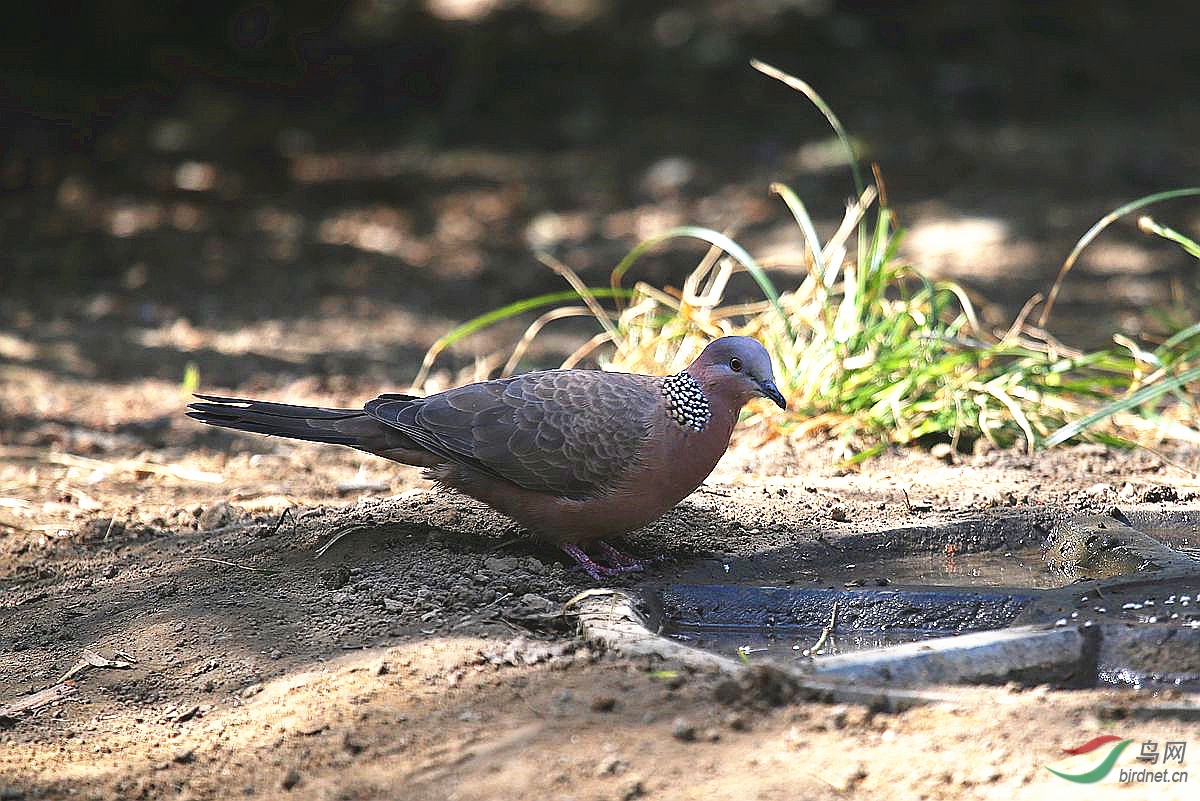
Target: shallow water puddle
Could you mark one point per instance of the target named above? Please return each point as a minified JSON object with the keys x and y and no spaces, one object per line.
{"x":1182,"y":533}
{"x":796,"y":644}
{"x":1140,"y":629}
{"x":788,"y":622}
{"x":1023,"y":568}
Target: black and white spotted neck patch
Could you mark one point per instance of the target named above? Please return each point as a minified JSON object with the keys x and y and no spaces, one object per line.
{"x":686,"y":402}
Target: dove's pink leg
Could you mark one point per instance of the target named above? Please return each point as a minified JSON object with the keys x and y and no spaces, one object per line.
{"x":594,"y":570}
{"x":622,"y":560}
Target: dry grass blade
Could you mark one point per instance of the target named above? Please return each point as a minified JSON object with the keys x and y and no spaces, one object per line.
{"x":1017,"y":413}
{"x":1018,"y":324}
{"x":585,"y":350}
{"x":835,"y":248}
{"x":714,"y":272}
{"x":713,"y":238}
{"x":535,"y":328}
{"x":497,"y":315}
{"x":815,"y":251}
{"x":964,"y":303}
{"x":585,"y":294}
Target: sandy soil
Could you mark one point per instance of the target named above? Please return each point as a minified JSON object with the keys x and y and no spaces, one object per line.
{"x":402,"y":661}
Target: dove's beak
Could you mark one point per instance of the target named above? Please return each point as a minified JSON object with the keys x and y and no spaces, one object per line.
{"x":769,"y":390}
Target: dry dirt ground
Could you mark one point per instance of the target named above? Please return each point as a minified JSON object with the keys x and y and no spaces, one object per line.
{"x":400,"y":662}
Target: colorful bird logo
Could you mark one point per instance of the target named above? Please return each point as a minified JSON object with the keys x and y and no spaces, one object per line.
{"x":1101,"y":752}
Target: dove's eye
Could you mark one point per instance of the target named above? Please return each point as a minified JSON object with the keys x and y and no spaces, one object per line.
{"x":735,"y":364}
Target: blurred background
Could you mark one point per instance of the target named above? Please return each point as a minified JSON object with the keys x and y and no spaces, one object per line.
{"x":303,"y":196}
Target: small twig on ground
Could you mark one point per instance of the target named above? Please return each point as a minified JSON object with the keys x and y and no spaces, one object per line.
{"x":499,"y":599}
{"x":284,"y":514}
{"x":913,"y":508}
{"x":89,"y":659}
{"x":112,"y":521}
{"x":35,"y":701}
{"x":254,"y":523}
{"x":336,"y":538}
{"x":266,"y":571}
{"x":505,"y":543}
{"x":348,"y":487}
{"x":825,"y":632}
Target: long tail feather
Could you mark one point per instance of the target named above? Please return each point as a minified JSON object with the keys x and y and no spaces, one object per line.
{"x":312,"y":423}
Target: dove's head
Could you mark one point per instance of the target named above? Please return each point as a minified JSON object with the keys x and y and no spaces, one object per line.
{"x":738,"y":369}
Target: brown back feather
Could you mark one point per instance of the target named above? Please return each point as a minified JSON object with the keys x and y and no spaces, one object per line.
{"x":571,"y":433}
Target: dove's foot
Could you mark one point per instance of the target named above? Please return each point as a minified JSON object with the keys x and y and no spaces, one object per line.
{"x":621,"y":563}
{"x":623,"y":560}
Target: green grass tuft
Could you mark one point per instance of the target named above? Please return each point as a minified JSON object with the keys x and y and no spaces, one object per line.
{"x":869,"y":349}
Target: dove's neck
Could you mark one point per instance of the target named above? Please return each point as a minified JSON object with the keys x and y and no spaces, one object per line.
{"x":686,"y":402}
{"x":723,"y":401}
{"x":721,"y":393}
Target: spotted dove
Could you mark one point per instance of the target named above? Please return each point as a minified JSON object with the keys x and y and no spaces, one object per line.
{"x":571,"y":455}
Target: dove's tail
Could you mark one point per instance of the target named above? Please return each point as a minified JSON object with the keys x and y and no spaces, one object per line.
{"x":351,"y":427}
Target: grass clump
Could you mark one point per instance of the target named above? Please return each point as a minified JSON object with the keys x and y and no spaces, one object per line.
{"x":869,"y":349}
